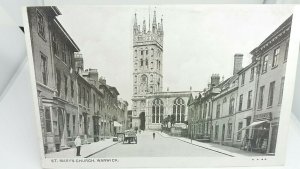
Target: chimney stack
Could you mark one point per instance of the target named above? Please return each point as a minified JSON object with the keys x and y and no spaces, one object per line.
{"x":79,"y":67}
{"x":238,"y":63}
{"x":215,"y":80}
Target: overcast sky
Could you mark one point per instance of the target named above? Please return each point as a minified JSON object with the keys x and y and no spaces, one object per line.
{"x":198,"y":40}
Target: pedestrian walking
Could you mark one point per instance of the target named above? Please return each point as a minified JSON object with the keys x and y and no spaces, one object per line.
{"x":153,"y":136}
{"x":78,"y":145}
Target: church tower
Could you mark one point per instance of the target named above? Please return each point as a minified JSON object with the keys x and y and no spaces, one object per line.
{"x":147,"y":66}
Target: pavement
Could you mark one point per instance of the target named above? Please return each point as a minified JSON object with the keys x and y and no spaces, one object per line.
{"x":228,"y":150}
{"x":86,"y":150}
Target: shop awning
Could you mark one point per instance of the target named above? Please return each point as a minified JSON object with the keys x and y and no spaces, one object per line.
{"x":252,"y":125}
{"x":117,"y":124}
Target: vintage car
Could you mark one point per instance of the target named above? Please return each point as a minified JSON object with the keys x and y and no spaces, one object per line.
{"x":130,"y":136}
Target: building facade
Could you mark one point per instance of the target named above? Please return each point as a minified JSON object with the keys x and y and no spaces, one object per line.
{"x":72,"y":101}
{"x":246,"y":109}
{"x":272,"y":55}
{"x":53,"y":56}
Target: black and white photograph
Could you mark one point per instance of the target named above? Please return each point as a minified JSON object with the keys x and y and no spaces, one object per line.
{"x":159,"y":82}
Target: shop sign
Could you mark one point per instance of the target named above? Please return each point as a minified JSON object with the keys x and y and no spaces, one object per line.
{"x":263,"y":116}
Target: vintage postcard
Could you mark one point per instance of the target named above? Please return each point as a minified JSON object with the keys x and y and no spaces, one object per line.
{"x":162,"y":86}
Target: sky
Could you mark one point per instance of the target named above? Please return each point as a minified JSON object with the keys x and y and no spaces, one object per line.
{"x":198,"y":40}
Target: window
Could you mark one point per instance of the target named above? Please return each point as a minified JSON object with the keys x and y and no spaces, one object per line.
{"x":281,"y":90}
{"x":64,"y":53}
{"x":265,"y":64}
{"x":135,"y":90}
{"x":271,"y":93}
{"x":48,"y":120}
{"x":142,"y":62}
{"x":239,"y":134}
{"x":243,"y":79}
{"x":216,"y":132}
{"x":72,"y":88}
{"x":74,"y":123}
{"x":44,"y":69}
{"x":146,"y":52}
{"x":58,"y":82}
{"x":231,"y":105}
{"x":286,"y":51}
{"x":144,"y":84}
{"x":241,"y":103}
{"x":275,"y":57}
{"x":218,"y":110}
{"x":152,"y":52}
{"x":261,"y":97}
{"x":157,"y":111}
{"x":94,"y":102}
{"x":68,"y":124}
{"x":152,"y":65}
{"x":135,"y":53}
{"x":79,"y":94}
{"x":135,"y":78}
{"x":41,"y":24}
{"x":179,"y":110}
{"x":249,"y":102}
{"x":151,"y":78}
{"x":229,"y":131}
{"x":252,"y":74}
{"x":66,"y":85}
{"x":54,"y":45}
{"x":146,"y":62}
{"x":142,"y":52}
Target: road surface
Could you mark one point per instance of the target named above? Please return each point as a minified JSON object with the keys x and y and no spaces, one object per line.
{"x":158,"y":147}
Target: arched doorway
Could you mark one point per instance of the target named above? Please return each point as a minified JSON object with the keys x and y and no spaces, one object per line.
{"x":142,"y":119}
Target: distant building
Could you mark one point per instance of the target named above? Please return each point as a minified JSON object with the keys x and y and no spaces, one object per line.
{"x":152,"y":107}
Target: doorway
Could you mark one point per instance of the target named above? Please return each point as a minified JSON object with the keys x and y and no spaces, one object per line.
{"x":223,"y":133}
{"x":142,"y":119}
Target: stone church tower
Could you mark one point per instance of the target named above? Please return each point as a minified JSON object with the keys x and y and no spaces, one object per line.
{"x":147,"y":66}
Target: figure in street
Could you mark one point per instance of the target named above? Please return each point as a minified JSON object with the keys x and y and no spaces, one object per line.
{"x":78,"y":145}
{"x":153,"y":136}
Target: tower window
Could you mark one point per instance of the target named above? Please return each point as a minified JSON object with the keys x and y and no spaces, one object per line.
{"x":142,"y":62}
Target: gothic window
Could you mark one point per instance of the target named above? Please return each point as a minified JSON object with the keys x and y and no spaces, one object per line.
{"x":146,"y":62}
{"x":135,"y":78}
{"x":152,"y":52}
{"x":179,"y":110}
{"x":144,"y":83}
{"x":135,"y":53}
{"x":157,"y":111}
